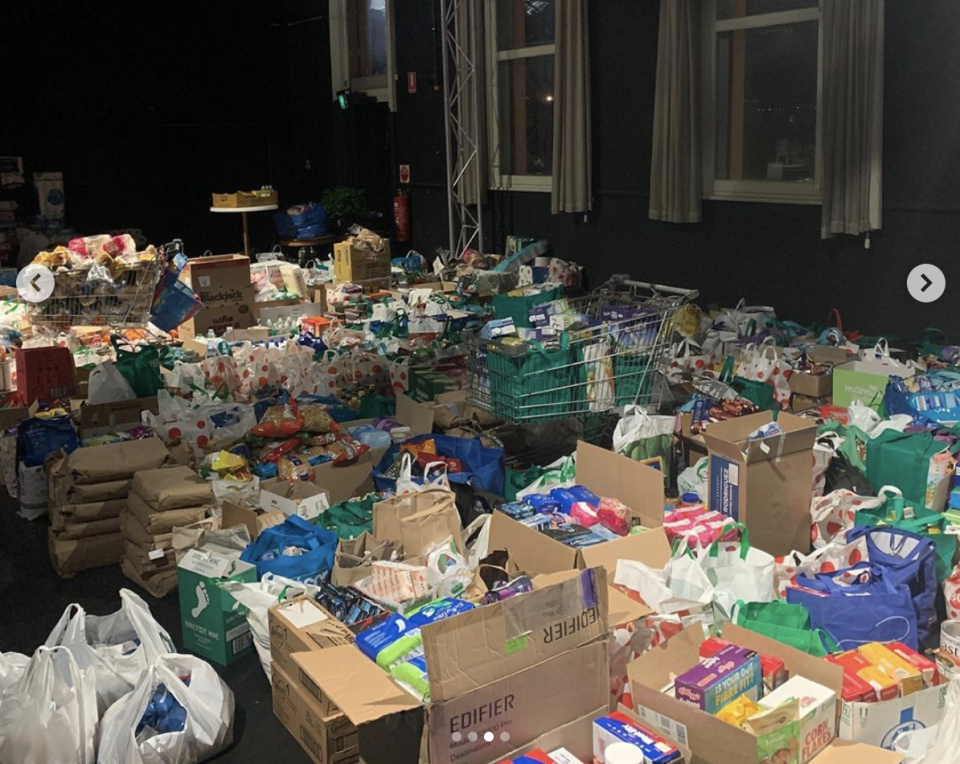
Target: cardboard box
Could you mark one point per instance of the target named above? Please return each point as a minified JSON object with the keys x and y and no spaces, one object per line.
{"x":528,"y":665}
{"x":70,"y":556}
{"x":246,"y":199}
{"x":219,"y":279}
{"x":881,"y":723}
{"x":346,"y":482}
{"x":218,"y":318}
{"x":212,"y":627}
{"x":712,"y":683}
{"x":301,"y":498}
{"x":811,"y":385}
{"x":839,"y":752}
{"x":302,"y":625}
{"x":44,"y":374}
{"x":104,"y":418}
{"x":256,"y":520}
{"x":276,"y":310}
{"x":865,"y":381}
{"x":710,"y":740}
{"x":606,"y":474}
{"x":895,"y":667}
{"x":327,"y":738}
{"x":350,"y":263}
{"x":764,"y":484}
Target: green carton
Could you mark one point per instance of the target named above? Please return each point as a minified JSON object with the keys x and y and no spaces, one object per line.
{"x":212,"y":627}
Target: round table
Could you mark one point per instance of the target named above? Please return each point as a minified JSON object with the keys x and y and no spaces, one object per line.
{"x":244,"y":211}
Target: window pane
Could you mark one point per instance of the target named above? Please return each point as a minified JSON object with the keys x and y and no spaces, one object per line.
{"x":735,"y":9}
{"x":367,"y":27}
{"x":526,"y":116}
{"x":766,"y":103}
{"x":522,"y":23}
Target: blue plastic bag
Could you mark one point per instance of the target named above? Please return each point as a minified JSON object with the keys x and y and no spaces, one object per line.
{"x":37,"y":438}
{"x":908,"y":560}
{"x":483,"y":467}
{"x":312,"y":565}
{"x":309,"y":223}
{"x":872,"y":609}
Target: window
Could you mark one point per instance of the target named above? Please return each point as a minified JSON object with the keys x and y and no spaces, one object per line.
{"x":762,"y":77}
{"x":520,"y":97}
{"x":361,"y":48}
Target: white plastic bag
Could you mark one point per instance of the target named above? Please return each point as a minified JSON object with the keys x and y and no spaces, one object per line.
{"x":107,"y":385}
{"x":680,"y":587}
{"x":939,"y":744}
{"x":107,"y":648}
{"x":831,"y":516}
{"x":50,"y":715}
{"x":208,"y":728}
{"x":640,"y":435}
{"x":560,"y":474}
{"x":12,"y":666}
{"x":258,"y":598}
{"x":738,"y":571}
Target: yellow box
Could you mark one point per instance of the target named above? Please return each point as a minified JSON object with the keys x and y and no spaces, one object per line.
{"x":352,"y":264}
{"x":895,"y":667}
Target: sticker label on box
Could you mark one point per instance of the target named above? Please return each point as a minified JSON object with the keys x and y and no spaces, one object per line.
{"x":725,"y":487}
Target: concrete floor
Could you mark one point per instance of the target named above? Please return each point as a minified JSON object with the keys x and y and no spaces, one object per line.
{"x":32,"y":599}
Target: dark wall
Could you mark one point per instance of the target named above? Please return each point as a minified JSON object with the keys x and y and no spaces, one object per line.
{"x":770,"y":254}
{"x":147,"y":108}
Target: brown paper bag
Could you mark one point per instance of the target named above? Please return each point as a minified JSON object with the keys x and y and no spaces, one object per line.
{"x":155,"y":522}
{"x":70,"y":556}
{"x":387,"y":514}
{"x":159,"y":584}
{"x":116,"y":461}
{"x":355,"y":556}
{"x":82,"y":530}
{"x":422,"y":531}
{"x":173,"y":488}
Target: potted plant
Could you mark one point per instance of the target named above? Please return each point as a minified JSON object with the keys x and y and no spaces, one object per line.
{"x":344,"y":206}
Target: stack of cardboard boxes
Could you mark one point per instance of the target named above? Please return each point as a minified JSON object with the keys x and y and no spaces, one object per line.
{"x":88,"y":491}
{"x":361,"y":263}
{"x":222,"y":283}
{"x":160,"y":500}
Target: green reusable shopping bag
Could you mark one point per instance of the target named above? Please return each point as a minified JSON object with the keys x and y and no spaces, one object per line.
{"x":348,"y":519}
{"x":517,"y":480}
{"x":902,"y":460}
{"x":373,"y":406}
{"x":896,"y":512}
{"x":788,"y":624}
{"x":141,"y":368}
{"x":518,"y":306}
{"x":760,"y":394}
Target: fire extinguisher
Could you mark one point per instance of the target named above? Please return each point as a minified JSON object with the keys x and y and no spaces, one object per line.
{"x":401,"y":214}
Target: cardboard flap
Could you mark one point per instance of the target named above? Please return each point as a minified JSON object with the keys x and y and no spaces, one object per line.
{"x":650,"y":547}
{"x":530,"y":550}
{"x":482,"y":646}
{"x":729,"y":438}
{"x":346,"y":482}
{"x":356,"y":685}
{"x":624,"y":610}
{"x":637,"y":485}
{"x":840,"y":752}
{"x":654,"y":668}
{"x":417,"y":416}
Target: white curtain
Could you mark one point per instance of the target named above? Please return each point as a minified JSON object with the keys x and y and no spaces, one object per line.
{"x":852,"y":131}
{"x":676,"y":184}
{"x":572,"y":173}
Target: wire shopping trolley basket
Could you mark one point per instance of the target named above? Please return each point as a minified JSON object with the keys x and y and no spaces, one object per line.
{"x":593,"y":354}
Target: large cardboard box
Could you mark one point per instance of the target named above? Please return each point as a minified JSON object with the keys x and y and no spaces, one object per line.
{"x":839,"y":752}
{"x":242,"y":199}
{"x":345,"y":482}
{"x":303,"y":499}
{"x":118,"y":416}
{"x":710,"y":740}
{"x":880,"y":724}
{"x":212,"y":626}
{"x":219,"y":280}
{"x":523,"y":666}
{"x":865,"y":381}
{"x":764,"y":484}
{"x":606,"y":474}
{"x":351,"y":263}
{"x":327,"y":738}
{"x":256,"y":520}
{"x":219,"y":318}
{"x":301,"y":625}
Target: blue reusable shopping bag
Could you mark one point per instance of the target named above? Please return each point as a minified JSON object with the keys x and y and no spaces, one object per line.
{"x":872,"y":609}
{"x":38,"y":438}
{"x":312,"y":566}
{"x":908,"y":560}
{"x":482,"y":467}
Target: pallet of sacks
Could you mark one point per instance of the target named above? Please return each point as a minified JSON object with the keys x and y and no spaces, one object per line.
{"x":159,"y":501}
{"x":87,"y":492}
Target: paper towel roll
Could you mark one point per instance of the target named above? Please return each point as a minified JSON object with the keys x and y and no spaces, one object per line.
{"x":623,"y":753}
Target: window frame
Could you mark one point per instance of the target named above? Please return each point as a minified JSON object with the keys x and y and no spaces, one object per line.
{"x":375,"y":87}
{"x":498,"y":180}
{"x":764,"y":191}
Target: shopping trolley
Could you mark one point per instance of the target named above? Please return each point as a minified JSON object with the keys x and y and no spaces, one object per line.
{"x":596,"y":353}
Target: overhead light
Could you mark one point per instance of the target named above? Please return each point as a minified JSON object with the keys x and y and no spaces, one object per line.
{"x":549,"y":99}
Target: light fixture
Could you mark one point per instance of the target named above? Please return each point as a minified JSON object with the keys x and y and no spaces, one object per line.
{"x":549,"y":99}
